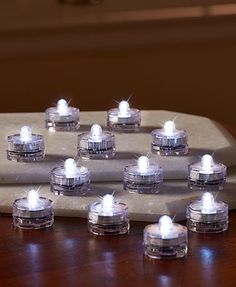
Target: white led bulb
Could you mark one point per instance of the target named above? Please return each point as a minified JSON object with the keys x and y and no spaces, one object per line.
{"x":107,"y":204}
{"x":207,"y":163}
{"x":96,"y":133}
{"x":207,"y":174}
{"x":166,"y":227}
{"x":108,"y":217}
{"x":207,"y":215}
{"x":169,"y":141}
{"x":62,"y":117}
{"x":70,"y":167}
{"x":70,"y":179}
{"x":169,"y":128}
{"x":62,"y":107}
{"x":143,"y":164}
{"x":33,"y":211}
{"x":143,"y":177}
{"x":33,"y":199}
{"x":124,"y":109}
{"x":97,"y":144}
{"x":124,"y":118}
{"x":25,"y":134}
{"x":208,"y":203}
{"x":25,"y":146}
{"x":165,"y":239}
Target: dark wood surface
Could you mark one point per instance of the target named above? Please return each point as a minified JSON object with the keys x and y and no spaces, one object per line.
{"x":66,"y":255}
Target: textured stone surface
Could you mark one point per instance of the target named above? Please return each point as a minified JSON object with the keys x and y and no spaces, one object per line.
{"x":204,"y":136}
{"x":172,"y":200}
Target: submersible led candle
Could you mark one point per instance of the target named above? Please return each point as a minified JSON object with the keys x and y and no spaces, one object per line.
{"x":169,"y":140}
{"x":124,"y":118}
{"x":70,"y":179}
{"x":143,"y":177}
{"x":165,"y":240}
{"x":108,"y":217}
{"x":207,"y":215}
{"x":97,"y":144}
{"x":62,"y":117}
{"x":25,"y":146}
{"x":207,"y":174}
{"x":33,"y":211}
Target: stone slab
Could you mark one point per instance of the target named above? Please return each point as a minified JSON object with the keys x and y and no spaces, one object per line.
{"x":205,"y":136}
{"x":172,"y":200}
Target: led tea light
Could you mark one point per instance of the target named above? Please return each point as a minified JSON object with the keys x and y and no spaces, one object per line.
{"x":169,"y":140}
{"x":207,"y":215}
{"x":70,"y":179}
{"x":207,"y":174}
{"x":124,"y":118}
{"x":165,"y":239}
{"x":108,"y":217}
{"x":143,"y":177}
{"x":62,"y":117}
{"x":33,"y":211}
{"x":25,"y":146}
{"x":97,"y":144}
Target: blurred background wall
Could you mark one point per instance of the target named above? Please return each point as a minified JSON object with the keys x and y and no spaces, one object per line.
{"x":95,"y":55}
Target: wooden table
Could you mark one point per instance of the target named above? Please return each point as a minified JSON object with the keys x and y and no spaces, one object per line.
{"x":66,"y":255}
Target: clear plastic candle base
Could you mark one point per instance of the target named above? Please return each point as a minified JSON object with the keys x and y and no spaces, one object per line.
{"x":102,"y":221}
{"x":169,"y":151}
{"x":69,"y":187}
{"x":142,"y":186}
{"x":62,"y":125}
{"x":171,"y":251}
{"x":108,"y":229}
{"x":25,"y":156}
{"x":207,"y":227}
{"x":165,"y":240}
{"x":37,"y":218}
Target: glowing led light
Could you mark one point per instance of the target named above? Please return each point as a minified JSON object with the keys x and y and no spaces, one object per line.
{"x":169,"y":128}
{"x":123,"y":118}
{"x":166,"y":225}
{"x":165,"y":239}
{"x":25,"y":146}
{"x":206,"y":174}
{"x":62,"y":117}
{"x":108,"y":203}
{"x":70,"y":179}
{"x":25,"y":134}
{"x":143,"y":164}
{"x":97,"y":144}
{"x":207,"y":215}
{"x":143,"y":177}
{"x":33,"y":198}
{"x":32,"y":211}
{"x":62,"y":107}
{"x":169,"y":141}
{"x":207,"y":162}
{"x":108,"y":217}
{"x":96,"y":133}
{"x":208,"y":203}
{"x":124,"y":109}
{"x":70,"y":167}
